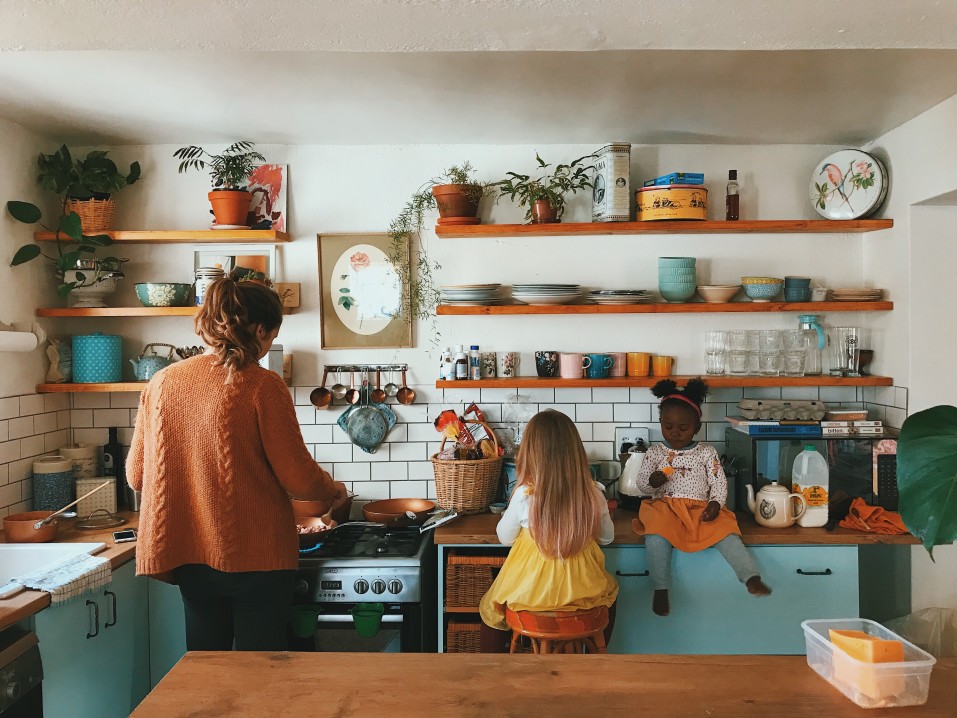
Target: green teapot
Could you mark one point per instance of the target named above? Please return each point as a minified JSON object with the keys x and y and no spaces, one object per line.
{"x":148,"y":364}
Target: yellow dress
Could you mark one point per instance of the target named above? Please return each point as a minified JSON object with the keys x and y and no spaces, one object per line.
{"x":529,"y":581}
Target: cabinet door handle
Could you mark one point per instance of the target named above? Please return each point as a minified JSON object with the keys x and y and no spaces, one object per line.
{"x":96,"y":618}
{"x":825,"y":572}
{"x":113,"y":601}
{"x":625,"y":575}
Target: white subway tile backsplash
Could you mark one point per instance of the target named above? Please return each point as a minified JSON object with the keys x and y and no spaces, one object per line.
{"x":632,"y":412}
{"x":498,"y":396}
{"x":339,"y":436}
{"x":600,"y":450}
{"x":81,"y":418}
{"x":91,"y":436}
{"x":642,"y":395}
{"x":63,"y":419}
{"x":390,"y":471}
{"x":610,"y":394}
{"x":894,"y":417}
{"x":4,"y":474}
{"x":333,"y":453}
{"x":537,"y":395}
{"x":412,"y":413}
{"x":20,"y":427}
{"x":584,"y":431}
{"x":124,"y":400}
{"x":726,"y":393}
{"x":493,"y":412}
{"x":566,"y":409}
{"x":463,"y":395}
{"x":382,"y":454}
{"x":31,"y":404}
{"x":9,"y":407}
{"x":21,"y":470}
{"x":410,"y":489}
{"x":317,"y":433}
{"x":57,"y":402}
{"x":422,"y":471}
{"x":900,"y":397}
{"x":55,"y":440}
{"x":422,"y":432}
{"x":803,"y":393}
{"x":10,"y":494}
{"x":870,"y":394}
{"x":714,"y":432}
{"x":575,"y":395}
{"x":603,"y":432}
{"x":328,"y":416}
{"x":351,"y":472}
{"x":4,"y":430}
{"x":713,"y":412}
{"x":762,"y":392}
{"x":306,"y":414}
{"x":301,"y":394}
{"x":595,"y":412}
{"x":43,"y":423}
{"x":398,"y":434}
{"x":837,"y":394}
{"x":372,"y":490}
{"x":409,"y":451}
{"x":32,"y":446}
{"x":91,"y":400}
{"x":111,"y":417}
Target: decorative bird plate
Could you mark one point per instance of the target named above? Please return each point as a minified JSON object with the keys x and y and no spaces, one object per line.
{"x":848,"y":184}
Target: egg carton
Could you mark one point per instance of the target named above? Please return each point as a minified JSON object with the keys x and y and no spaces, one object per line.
{"x":782,"y":409}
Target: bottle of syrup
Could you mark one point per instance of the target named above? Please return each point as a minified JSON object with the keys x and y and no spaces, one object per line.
{"x":731,"y":199}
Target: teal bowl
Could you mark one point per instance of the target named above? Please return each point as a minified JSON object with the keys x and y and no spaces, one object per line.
{"x":678,"y":274}
{"x":676,"y":262}
{"x":762,"y":292}
{"x":676,"y":292}
{"x":162,"y":294}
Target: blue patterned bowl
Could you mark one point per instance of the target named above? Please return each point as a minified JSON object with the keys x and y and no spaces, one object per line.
{"x":763,"y":292}
{"x":162,"y":294}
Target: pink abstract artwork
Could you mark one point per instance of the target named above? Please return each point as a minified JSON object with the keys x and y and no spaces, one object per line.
{"x":267,"y":185}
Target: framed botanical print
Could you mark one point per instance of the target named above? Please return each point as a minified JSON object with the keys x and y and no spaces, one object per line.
{"x":361,"y":293}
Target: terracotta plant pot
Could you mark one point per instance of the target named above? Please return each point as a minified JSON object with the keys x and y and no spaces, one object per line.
{"x":455,"y":205}
{"x":543,"y":212}
{"x":230,"y":206}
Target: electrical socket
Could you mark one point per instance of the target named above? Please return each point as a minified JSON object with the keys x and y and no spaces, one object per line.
{"x":631,"y":434}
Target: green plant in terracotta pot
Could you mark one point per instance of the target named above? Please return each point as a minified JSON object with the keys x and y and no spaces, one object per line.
{"x":544,"y":196}
{"x":229,"y":172}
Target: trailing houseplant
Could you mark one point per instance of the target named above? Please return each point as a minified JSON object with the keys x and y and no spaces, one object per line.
{"x":927,"y":475}
{"x":544,"y":196}
{"x":229,"y":173}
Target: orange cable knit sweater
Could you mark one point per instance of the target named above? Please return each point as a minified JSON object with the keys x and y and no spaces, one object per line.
{"x":215,"y":461}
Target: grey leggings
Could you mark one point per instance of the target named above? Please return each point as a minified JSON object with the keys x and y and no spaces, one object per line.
{"x":659,"y":559}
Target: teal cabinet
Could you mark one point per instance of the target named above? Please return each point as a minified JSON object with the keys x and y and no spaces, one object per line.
{"x":95,"y":651}
{"x":167,"y":629}
{"x":711,"y":612}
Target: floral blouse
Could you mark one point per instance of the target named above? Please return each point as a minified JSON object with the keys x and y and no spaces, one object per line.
{"x":697,"y":473}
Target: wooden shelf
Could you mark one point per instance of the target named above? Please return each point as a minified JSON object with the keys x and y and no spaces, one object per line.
{"x":191,"y":236}
{"x":461,"y":609}
{"x":117,"y":312}
{"x":722,"y":380}
{"x":760,"y":226}
{"x":90,"y":388}
{"x":664,"y":308}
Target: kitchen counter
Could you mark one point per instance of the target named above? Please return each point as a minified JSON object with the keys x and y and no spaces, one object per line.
{"x":30,"y":602}
{"x":483,"y":685}
{"x":480,"y":529}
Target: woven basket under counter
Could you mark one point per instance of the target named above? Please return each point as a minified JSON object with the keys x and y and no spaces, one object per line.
{"x":463,"y":637}
{"x":467,"y":578}
{"x":468,"y":486}
{"x":96,"y":215}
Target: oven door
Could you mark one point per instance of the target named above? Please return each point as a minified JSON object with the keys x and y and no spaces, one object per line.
{"x":399,"y":631}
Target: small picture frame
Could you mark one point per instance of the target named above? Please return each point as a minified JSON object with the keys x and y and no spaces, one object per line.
{"x":253,"y":257}
{"x":360,"y":293}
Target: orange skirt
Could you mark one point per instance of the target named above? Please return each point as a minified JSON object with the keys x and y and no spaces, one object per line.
{"x":679,"y":521}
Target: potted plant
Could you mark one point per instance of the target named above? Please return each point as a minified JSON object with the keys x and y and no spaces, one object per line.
{"x":927,"y":475}
{"x":456,"y":195}
{"x":74,"y":264}
{"x":229,"y":172}
{"x":85,"y":186}
{"x":544,"y":196}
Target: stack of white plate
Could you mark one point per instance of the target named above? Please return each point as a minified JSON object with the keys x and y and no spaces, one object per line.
{"x":470,"y":294}
{"x":619,"y":296}
{"x":546,"y":293}
{"x":856,"y":294}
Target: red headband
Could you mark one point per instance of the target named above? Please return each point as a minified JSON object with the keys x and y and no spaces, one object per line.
{"x":685,"y":399}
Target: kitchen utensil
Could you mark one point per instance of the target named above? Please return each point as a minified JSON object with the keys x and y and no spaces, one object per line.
{"x":307,"y":508}
{"x":20,"y":528}
{"x":148,"y":364}
{"x":43,"y":522}
{"x":391,"y":389}
{"x":317,"y":530}
{"x":100,"y":519}
{"x":378,"y":395}
{"x":366,"y":425}
{"x":399,"y":512}
{"x":321,"y":397}
{"x":338,"y":389}
{"x":774,"y":506}
{"x":352,"y":394}
{"x":405,"y":395}
{"x":438,"y":517}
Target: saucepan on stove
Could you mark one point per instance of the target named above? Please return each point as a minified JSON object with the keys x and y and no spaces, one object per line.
{"x":312,"y":530}
{"x":399,"y":512}
{"x":302,"y":507}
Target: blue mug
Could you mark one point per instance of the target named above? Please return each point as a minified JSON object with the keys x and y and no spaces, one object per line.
{"x":600,"y":365}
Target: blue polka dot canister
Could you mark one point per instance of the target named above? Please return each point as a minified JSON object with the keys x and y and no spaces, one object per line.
{"x":53,"y":483}
{"x":97,"y":358}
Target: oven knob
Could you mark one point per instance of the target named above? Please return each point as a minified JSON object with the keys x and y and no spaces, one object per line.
{"x":361,"y":586}
{"x":395,"y":586}
{"x":378,"y":586}
{"x":302,"y":587}
{"x":12,"y":691}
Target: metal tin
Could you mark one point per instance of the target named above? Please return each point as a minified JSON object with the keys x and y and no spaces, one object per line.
{"x":97,"y":358}
{"x":52,"y":483}
{"x":83,"y":457}
{"x":611,"y":197}
{"x":204,"y":277}
{"x":676,"y":201}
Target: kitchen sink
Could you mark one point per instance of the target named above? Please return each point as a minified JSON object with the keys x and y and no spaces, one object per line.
{"x":19,"y":558}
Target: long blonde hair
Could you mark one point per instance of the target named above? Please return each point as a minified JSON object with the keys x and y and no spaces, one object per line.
{"x":565,"y":506}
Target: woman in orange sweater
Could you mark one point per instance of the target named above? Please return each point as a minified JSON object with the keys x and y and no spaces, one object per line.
{"x":216,"y":452}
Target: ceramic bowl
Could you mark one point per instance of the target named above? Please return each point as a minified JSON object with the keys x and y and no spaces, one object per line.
{"x":762,"y":280}
{"x":762,"y":292}
{"x":676,"y":261}
{"x":497,"y":508}
{"x":718,"y":293}
{"x":162,"y":294}
{"x":677,"y":273}
{"x":676,"y":293}
{"x":797,"y":282}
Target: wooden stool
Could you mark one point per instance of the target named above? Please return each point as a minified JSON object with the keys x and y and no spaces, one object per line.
{"x":559,"y":631}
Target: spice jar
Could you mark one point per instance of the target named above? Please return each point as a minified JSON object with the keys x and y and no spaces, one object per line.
{"x":204,"y":277}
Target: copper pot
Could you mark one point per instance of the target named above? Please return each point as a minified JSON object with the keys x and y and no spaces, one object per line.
{"x":18,"y":528}
{"x":316,"y":533}
{"x":304,"y":508}
{"x":393,"y":512}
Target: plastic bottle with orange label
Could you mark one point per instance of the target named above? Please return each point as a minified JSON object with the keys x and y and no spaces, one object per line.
{"x":810,"y":477}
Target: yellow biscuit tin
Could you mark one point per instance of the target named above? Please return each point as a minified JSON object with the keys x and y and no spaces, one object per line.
{"x":672,"y":201}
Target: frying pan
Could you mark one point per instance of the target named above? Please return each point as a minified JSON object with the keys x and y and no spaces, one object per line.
{"x":392,"y":512}
{"x":311,"y":539}
{"x":367,"y":425}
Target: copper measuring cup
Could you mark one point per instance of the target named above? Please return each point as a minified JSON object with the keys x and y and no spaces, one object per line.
{"x":378,"y":395}
{"x":352,"y":395}
{"x":321,"y":397}
{"x":405,"y":395}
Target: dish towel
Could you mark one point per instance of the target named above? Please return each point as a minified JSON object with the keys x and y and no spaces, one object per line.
{"x":69,"y":578}
{"x":873,"y":519}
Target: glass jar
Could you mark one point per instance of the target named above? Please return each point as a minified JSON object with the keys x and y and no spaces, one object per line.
{"x":204,"y":277}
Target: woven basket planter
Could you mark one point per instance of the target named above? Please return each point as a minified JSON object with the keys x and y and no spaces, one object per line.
{"x":96,"y":215}
{"x":467,"y":486}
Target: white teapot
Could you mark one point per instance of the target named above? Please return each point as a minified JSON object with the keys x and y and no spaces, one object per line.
{"x":774,"y":506}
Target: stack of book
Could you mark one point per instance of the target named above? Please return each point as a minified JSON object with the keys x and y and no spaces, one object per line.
{"x":800,"y":427}
{"x":675,"y":178}
{"x":852,"y":428}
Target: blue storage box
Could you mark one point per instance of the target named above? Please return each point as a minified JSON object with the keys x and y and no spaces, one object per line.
{"x":97,"y":358}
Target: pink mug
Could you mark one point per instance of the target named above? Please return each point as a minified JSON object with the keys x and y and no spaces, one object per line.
{"x":572,"y":365}
{"x":620,"y":366}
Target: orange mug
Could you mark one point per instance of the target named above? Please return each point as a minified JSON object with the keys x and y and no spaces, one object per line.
{"x":661,"y":365}
{"x":638,"y":363}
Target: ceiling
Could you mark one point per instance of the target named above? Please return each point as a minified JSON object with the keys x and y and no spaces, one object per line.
{"x":474,"y":71}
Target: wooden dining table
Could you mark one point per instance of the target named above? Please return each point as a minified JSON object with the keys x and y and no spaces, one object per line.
{"x":320,"y":685}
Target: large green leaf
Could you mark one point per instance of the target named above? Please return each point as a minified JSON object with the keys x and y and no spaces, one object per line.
{"x":71,"y":227}
{"x":25,"y":254}
{"x":927,"y":475}
{"x":24,"y":212}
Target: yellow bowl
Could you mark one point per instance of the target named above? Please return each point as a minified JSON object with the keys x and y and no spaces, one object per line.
{"x":761,"y":280}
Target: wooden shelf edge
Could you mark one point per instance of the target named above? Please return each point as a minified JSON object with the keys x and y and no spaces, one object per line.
{"x":766,"y":226}
{"x":117,"y":312}
{"x":461,"y":609}
{"x":664,"y":308}
{"x":90,"y":388}
{"x":722,"y":380}
{"x":190,"y":236}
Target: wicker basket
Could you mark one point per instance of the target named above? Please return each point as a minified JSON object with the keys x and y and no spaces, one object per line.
{"x":467,"y":578}
{"x":467,"y":486}
{"x":96,"y":215}
{"x":463,"y":637}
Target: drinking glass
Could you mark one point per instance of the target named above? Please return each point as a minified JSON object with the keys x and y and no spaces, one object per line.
{"x":794,"y":363}
{"x":752,"y":344}
{"x":770,"y":341}
{"x":769,"y":364}
{"x":737,"y":362}
{"x":714,"y":362}
{"x":738,"y":340}
{"x":795,"y":340}
{"x":716,"y":342}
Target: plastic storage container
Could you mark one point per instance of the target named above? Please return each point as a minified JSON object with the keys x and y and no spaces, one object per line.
{"x":810,"y":478}
{"x":869,"y":685}
{"x":97,"y":358}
